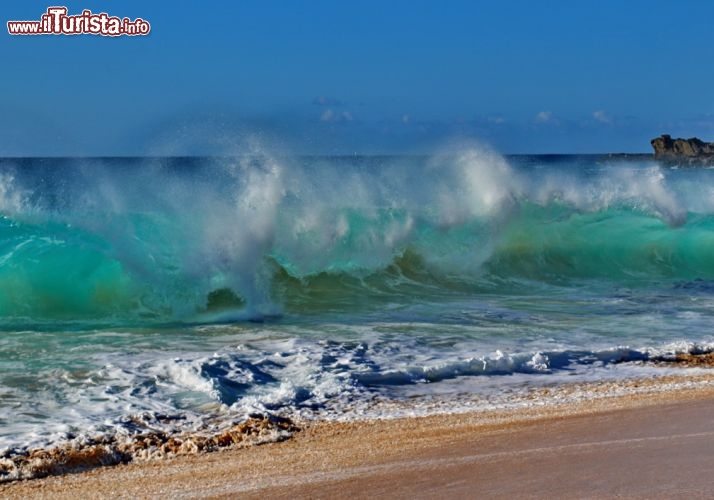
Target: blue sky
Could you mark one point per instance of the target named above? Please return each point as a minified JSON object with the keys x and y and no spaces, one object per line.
{"x":363,"y":76}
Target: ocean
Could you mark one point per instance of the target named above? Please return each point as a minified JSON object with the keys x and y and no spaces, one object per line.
{"x":181,"y":295}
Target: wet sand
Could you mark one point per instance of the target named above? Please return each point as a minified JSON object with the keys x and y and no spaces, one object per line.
{"x":656,"y":445}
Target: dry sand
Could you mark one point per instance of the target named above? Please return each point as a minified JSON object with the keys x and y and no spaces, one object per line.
{"x":655,"y":445}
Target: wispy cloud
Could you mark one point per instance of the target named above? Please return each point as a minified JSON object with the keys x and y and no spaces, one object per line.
{"x":602,"y":116}
{"x":544,"y":117}
{"x":326,"y":101}
{"x":331,"y":116}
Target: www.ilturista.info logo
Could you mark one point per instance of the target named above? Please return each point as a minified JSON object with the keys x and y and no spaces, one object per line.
{"x":57,"y":22}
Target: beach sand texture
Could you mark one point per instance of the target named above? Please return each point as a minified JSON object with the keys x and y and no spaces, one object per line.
{"x":633,"y":447}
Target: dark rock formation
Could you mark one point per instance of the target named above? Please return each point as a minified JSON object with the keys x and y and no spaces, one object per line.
{"x":690,"y":151}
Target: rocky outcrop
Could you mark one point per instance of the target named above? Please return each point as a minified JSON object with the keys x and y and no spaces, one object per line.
{"x":694,"y":150}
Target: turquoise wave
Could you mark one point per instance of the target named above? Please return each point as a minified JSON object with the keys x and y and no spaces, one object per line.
{"x":617,"y":244}
{"x":53,"y":270}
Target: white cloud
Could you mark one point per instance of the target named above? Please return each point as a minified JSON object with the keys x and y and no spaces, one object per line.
{"x":544,"y":117}
{"x":602,"y":117}
{"x":330,"y":116}
{"x":405,"y":118}
{"x":326,"y":101}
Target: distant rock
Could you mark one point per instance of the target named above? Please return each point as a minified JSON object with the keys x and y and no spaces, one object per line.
{"x":690,"y":151}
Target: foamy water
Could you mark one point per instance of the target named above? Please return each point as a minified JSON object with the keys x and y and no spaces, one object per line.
{"x":181,"y":295}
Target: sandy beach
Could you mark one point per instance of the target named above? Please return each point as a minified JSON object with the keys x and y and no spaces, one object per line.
{"x":642,"y":446}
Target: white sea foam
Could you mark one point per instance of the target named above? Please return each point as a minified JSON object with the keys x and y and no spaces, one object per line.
{"x":178,"y":237}
{"x":292,"y":372}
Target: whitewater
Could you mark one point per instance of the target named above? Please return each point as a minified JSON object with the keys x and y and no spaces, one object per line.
{"x":182,"y":294}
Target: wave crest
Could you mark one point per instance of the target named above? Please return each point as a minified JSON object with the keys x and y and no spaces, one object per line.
{"x":173,"y":238}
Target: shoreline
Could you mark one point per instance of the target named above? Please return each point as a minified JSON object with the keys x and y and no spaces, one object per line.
{"x":425,"y":455}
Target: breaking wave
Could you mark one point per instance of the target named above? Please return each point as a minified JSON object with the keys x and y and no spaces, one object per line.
{"x":221,"y":239}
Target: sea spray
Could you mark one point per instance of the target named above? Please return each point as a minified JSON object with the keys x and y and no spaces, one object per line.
{"x":173,"y":239}
{"x":177,"y":296}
